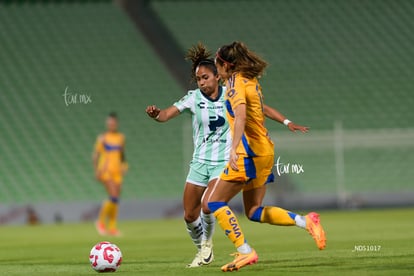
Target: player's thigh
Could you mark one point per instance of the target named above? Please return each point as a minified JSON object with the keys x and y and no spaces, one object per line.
{"x":113,"y":183}
{"x":206,"y":195}
{"x":224,"y":191}
{"x":113,"y":188}
{"x":214,"y":172}
{"x":192,"y":201}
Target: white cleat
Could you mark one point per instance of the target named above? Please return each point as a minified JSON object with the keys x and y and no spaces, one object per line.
{"x":197,"y":262}
{"x":206,"y":252}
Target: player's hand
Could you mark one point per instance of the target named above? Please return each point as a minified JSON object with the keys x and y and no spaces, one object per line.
{"x":124,"y":168}
{"x":233,"y":160}
{"x":98,"y":174}
{"x":152,"y":111}
{"x":293,"y":127}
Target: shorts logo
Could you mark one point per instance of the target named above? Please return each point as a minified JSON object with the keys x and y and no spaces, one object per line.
{"x":226,"y":171}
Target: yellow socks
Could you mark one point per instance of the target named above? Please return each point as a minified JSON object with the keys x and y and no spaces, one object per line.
{"x":277,"y":216}
{"x":103,"y":213}
{"x":229,"y":223}
{"x":269,"y":214}
{"x":113,"y":215}
{"x":109,"y":210}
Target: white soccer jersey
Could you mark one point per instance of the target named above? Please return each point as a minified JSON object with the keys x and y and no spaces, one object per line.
{"x":211,"y":133}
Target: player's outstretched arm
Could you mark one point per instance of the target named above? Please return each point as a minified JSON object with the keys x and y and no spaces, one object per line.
{"x":275,"y":115}
{"x":162,"y":115}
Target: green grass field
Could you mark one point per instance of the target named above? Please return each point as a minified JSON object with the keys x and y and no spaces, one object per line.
{"x":384,"y":240}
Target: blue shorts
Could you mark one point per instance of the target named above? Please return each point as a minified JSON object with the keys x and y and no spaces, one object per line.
{"x":201,"y":174}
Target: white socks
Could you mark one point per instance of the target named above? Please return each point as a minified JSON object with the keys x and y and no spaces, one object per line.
{"x":195,"y":229}
{"x":208,"y":221}
{"x":244,"y":249}
{"x":202,"y":229}
{"x":300,"y":221}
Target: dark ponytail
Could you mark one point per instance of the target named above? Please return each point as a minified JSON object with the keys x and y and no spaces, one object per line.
{"x":200,"y":56}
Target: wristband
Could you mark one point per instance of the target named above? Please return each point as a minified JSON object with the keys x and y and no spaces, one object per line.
{"x":286,"y":122}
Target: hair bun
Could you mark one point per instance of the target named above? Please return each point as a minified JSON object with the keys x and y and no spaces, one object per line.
{"x":198,"y":53}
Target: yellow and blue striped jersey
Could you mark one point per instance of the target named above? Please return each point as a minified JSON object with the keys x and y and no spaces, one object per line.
{"x":255,"y":140}
{"x":110,"y":146}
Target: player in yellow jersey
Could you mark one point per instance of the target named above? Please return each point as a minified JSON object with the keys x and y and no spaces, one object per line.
{"x":251,"y":156}
{"x":110,"y":166}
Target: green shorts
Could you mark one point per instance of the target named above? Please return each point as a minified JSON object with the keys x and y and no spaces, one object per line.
{"x":201,"y":174}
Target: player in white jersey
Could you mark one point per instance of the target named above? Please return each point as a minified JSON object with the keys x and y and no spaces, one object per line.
{"x":212,"y":142}
{"x":211,"y":134}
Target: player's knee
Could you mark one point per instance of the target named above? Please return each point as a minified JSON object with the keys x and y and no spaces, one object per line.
{"x":254,"y":214}
{"x":114,"y":199}
{"x":204,"y":207}
{"x":249,"y":211}
{"x":191,"y":216}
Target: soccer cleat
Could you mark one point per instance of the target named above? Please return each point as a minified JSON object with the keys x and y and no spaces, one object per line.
{"x":100,"y":227}
{"x":315,"y":229}
{"x":114,"y":233}
{"x":197,"y":261}
{"x":206,"y":252}
{"x":240,"y":261}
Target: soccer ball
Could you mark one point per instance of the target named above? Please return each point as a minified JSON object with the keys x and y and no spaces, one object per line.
{"x":105,"y":257}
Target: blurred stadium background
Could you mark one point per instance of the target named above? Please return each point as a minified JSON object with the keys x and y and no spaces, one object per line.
{"x":345,"y":68}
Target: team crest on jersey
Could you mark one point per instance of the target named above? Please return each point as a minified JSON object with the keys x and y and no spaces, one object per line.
{"x":231,"y":93}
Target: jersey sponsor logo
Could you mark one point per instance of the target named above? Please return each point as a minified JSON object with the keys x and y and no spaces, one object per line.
{"x":110,"y":147}
{"x":216,"y":140}
{"x":203,"y":105}
{"x":235,"y":226}
{"x":216,"y":122}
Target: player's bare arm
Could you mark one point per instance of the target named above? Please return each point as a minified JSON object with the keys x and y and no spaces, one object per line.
{"x":125,"y":166}
{"x":162,"y":115}
{"x":275,"y":115}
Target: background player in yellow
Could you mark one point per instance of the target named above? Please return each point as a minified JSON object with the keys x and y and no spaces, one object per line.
{"x":110,"y":166}
{"x":251,"y":156}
